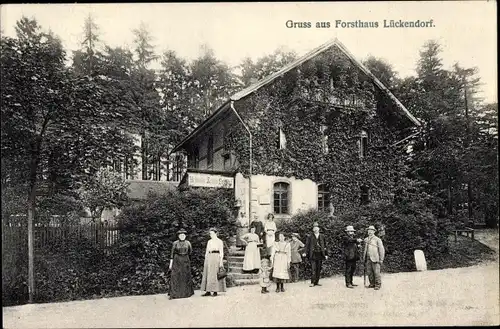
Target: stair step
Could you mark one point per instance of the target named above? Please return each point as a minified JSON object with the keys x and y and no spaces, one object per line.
{"x":232,"y":259}
{"x":237,"y":253}
{"x":244,"y":276}
{"x":244,"y":282}
{"x":236,"y":265}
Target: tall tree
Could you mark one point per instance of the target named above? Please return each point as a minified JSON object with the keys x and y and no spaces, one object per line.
{"x":264,"y":66}
{"x":88,"y":59}
{"x":213,"y":81}
{"x":383,"y":71}
{"x":52,"y":121}
{"x":145,"y":96}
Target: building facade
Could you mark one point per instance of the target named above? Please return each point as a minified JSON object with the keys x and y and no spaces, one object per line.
{"x":320,"y":133}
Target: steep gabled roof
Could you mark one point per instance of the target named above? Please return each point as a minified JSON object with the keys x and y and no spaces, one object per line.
{"x":270,"y":78}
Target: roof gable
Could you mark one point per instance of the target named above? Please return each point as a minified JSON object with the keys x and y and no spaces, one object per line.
{"x":270,"y":78}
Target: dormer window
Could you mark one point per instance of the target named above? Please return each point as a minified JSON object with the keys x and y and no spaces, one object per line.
{"x":363,"y":144}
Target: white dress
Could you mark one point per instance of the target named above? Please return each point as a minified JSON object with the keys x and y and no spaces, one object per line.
{"x":270,"y":229}
{"x":252,"y":254}
{"x":281,"y":256}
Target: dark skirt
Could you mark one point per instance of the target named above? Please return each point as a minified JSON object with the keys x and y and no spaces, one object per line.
{"x":181,"y":280}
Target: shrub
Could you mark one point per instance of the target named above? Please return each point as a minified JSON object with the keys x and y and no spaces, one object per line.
{"x":148,"y":230}
{"x":137,"y":264}
{"x":402,"y":229}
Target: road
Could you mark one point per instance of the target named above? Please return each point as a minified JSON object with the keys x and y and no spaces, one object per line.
{"x":460,"y":296}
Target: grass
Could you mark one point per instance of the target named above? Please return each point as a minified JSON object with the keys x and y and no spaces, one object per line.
{"x":463,"y":253}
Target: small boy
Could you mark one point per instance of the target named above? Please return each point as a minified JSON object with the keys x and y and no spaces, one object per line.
{"x":296,"y":246}
{"x":265,"y":275}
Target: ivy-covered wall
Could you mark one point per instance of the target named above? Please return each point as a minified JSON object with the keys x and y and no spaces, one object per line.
{"x":328,"y":90}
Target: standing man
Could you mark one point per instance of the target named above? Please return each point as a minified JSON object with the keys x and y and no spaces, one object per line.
{"x":316,"y":252}
{"x":351,"y":255}
{"x":295,"y":246}
{"x":373,"y":257}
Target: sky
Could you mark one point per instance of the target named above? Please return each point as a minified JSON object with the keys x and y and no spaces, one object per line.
{"x":465,"y":29}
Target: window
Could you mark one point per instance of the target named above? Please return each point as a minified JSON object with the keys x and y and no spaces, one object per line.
{"x":210,"y":150}
{"x":325,"y":138}
{"x":323,"y":198}
{"x":365,"y":195}
{"x":363,"y":144}
{"x":281,"y":198}
{"x":281,"y":139}
{"x":194,"y":158}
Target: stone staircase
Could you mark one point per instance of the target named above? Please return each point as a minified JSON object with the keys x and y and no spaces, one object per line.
{"x":235,"y":272}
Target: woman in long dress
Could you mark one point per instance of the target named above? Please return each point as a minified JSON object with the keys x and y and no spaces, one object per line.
{"x":214,"y":255}
{"x":251,"y":262}
{"x":270,"y":229}
{"x":280,"y":259}
{"x":181,"y":280}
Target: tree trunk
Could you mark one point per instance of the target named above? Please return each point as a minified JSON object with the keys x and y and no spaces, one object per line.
{"x":469,"y":204}
{"x":31,"y":250}
{"x":144,"y":160}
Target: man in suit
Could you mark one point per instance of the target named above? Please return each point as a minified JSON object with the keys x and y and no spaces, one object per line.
{"x":373,"y":257}
{"x":316,"y":253}
{"x":351,"y":255}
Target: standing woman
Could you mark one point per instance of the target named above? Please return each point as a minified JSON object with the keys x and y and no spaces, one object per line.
{"x":251,"y":262}
{"x":280,"y":259}
{"x":213,"y":261}
{"x":181,"y":281}
{"x":270,"y":228}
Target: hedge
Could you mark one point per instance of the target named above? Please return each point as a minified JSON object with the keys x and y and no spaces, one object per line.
{"x":401,"y":229}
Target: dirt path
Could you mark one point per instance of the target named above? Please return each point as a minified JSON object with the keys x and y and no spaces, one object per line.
{"x":462,"y":296}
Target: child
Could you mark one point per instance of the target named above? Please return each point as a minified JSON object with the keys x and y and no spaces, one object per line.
{"x":280,"y":262}
{"x":265,"y":275}
{"x":296,"y":246}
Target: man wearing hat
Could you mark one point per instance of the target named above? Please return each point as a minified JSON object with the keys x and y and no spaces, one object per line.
{"x":351,"y":255}
{"x":373,"y":257}
{"x":316,"y":252}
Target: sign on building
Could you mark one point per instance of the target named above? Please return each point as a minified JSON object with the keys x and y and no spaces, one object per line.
{"x":210,"y":180}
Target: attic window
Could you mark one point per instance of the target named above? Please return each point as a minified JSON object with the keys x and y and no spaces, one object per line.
{"x":281,"y":139}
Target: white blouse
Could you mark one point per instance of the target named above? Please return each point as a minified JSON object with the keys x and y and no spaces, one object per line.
{"x":215,"y":244}
{"x":269,"y":225}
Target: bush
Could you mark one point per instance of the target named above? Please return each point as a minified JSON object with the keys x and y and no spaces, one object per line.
{"x":148,"y":230}
{"x":137,"y":264}
{"x":402,"y":229}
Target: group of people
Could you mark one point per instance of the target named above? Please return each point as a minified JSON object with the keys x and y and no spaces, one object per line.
{"x":279,"y":262}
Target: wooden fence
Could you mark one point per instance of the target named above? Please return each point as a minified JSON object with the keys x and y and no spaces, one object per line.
{"x":99,"y":235}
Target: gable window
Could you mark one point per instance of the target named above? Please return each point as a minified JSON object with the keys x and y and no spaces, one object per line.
{"x":363,"y":144}
{"x":281,"y":139}
{"x":210,"y":150}
{"x":365,"y":195}
{"x":280,"y":198}
{"x":323,"y":198}
{"x":325,"y":138}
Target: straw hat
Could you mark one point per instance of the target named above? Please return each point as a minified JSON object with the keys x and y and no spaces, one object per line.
{"x":372,"y":228}
{"x":296,"y":235}
{"x":181,"y":231}
{"x":350,"y":228}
